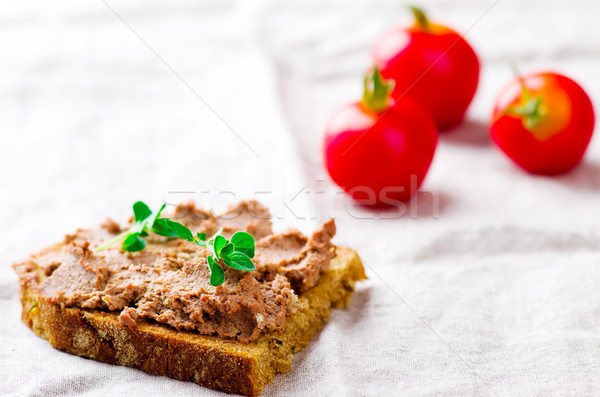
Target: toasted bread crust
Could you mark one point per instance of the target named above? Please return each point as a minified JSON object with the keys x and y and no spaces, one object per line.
{"x":216,"y":363}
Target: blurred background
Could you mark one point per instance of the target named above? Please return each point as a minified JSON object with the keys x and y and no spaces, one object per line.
{"x":489,"y":290}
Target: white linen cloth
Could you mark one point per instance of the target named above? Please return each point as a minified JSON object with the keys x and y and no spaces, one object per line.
{"x":492,"y":292}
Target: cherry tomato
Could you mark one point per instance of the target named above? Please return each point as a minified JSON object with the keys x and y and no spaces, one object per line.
{"x":433,"y":65}
{"x":377,"y":150}
{"x":543,"y":122}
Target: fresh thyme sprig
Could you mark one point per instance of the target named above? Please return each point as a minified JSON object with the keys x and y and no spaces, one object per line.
{"x":235,"y":253}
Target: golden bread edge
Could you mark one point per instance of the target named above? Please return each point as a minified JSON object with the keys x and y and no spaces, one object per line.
{"x":211,"y":362}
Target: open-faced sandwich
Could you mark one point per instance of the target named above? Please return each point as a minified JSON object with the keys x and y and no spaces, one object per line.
{"x":217,"y":300}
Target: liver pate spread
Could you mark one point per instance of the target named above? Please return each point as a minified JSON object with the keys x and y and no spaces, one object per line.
{"x":168,"y":281}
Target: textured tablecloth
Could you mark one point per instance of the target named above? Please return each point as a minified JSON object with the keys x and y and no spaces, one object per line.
{"x":487,"y":285}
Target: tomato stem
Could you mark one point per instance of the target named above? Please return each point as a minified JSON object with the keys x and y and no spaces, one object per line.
{"x":530,"y":109}
{"x":519,"y":77}
{"x":377,"y":92}
{"x":420,"y":17}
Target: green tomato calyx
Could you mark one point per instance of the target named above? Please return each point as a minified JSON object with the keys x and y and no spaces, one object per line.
{"x":376,"y":96}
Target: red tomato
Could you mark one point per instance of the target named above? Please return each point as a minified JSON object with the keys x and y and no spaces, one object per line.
{"x":543,"y":122}
{"x":377,"y":151}
{"x":433,"y":65}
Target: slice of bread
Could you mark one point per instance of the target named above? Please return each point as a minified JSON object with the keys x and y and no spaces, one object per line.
{"x":228,"y":365}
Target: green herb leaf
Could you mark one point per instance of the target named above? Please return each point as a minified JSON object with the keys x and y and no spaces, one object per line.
{"x":180,"y":230}
{"x":145,"y":225}
{"x":226,"y":250}
{"x":141,"y":211}
{"x":151,"y":220}
{"x":133,"y":243}
{"x":218,"y":244}
{"x":143,"y":232}
{"x":161,"y":228}
{"x":244,"y":243}
{"x":240,"y":261}
{"x":201,"y":236}
{"x":217,"y":275}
